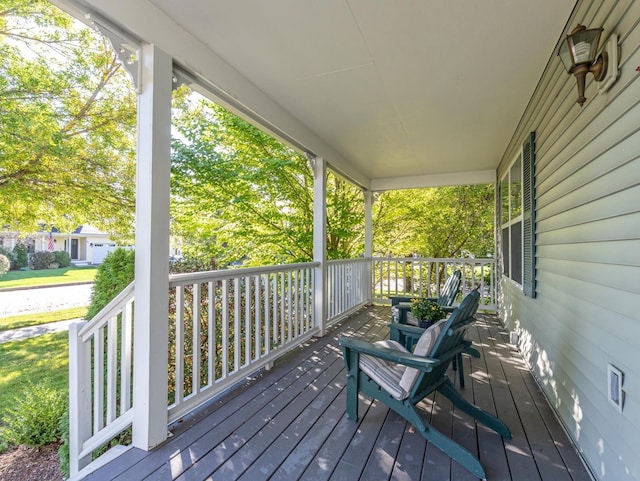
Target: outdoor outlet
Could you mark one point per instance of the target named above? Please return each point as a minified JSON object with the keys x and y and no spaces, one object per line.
{"x":513,"y":338}
{"x":615,"y":378}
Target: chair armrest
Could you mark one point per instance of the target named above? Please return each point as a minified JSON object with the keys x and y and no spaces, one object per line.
{"x":397,"y":299}
{"x":406,"y":329}
{"x":393,"y":355}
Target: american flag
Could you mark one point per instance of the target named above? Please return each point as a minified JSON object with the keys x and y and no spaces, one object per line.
{"x":50,"y":242}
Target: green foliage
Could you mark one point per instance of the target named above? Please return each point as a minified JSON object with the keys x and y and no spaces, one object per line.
{"x":114,"y":274}
{"x":427,"y":310}
{"x":62,"y":258}
{"x":438,"y":222}
{"x":63,"y":452}
{"x":5,"y":265}
{"x":34,"y":417}
{"x":8,"y":254}
{"x":241,"y":196}
{"x":68,"y":123}
{"x":42,"y":260}
{"x":20,"y":256}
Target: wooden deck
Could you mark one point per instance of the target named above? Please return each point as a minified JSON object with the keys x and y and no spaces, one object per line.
{"x":290,"y":424}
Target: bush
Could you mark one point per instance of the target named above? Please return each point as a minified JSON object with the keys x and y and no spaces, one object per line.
{"x":8,"y":254}
{"x":5,"y":265}
{"x":62,"y":258}
{"x":114,"y":274}
{"x":42,"y":260}
{"x":63,"y":452}
{"x":20,"y":257}
{"x":35,"y":416}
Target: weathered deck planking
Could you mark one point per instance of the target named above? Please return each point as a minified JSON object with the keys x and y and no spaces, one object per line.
{"x":289,"y":423}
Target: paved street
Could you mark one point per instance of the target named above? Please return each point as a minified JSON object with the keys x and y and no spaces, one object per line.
{"x":44,"y":299}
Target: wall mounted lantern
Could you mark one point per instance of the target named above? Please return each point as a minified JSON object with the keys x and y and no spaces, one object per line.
{"x":578,"y":54}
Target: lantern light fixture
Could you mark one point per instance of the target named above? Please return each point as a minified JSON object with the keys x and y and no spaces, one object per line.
{"x":578,"y":53}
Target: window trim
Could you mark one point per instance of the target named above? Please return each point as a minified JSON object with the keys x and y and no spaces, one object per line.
{"x":526,"y":155}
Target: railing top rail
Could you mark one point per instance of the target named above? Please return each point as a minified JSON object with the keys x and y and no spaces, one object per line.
{"x":437,"y":259}
{"x":107,"y":312}
{"x":191,"y":277}
{"x":349,"y":261}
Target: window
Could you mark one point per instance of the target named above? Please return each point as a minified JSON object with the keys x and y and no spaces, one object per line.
{"x":517,"y":213}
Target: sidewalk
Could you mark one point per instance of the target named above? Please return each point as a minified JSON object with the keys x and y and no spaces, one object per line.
{"x":33,"y":331}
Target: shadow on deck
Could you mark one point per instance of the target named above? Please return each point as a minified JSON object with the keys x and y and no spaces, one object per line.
{"x":290,"y":424}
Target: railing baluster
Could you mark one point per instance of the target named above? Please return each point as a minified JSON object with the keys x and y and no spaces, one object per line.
{"x":126,"y":350}
{"x":195,"y":340}
{"x":211,"y":333}
{"x":258,"y":317}
{"x":225,"y":329}
{"x":179,"y":362}
{"x":112,"y":369}
{"x":98,"y":383}
{"x":236,"y":324}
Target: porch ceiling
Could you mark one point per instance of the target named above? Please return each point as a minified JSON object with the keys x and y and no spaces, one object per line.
{"x":392,"y":94}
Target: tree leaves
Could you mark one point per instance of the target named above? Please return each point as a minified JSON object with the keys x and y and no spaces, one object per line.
{"x":67,"y":138}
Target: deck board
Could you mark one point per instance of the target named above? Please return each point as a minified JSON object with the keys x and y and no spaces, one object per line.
{"x":289,"y":423}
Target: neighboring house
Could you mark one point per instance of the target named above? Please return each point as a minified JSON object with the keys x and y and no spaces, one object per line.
{"x":85,"y":245}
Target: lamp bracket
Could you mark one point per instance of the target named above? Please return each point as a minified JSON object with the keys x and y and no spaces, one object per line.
{"x":611,"y":75}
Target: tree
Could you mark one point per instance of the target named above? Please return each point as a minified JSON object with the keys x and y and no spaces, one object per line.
{"x":437,"y":222}
{"x":67,"y":151}
{"x":240,"y":195}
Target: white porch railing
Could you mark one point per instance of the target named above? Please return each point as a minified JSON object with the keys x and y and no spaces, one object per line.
{"x":348,"y":287}
{"x":424,"y":277}
{"x":225,"y":325}
{"x":100,"y":379}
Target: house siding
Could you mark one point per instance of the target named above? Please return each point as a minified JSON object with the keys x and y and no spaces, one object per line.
{"x":587,"y":311}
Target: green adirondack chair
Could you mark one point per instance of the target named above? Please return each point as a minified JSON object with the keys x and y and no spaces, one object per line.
{"x":386,"y":371}
{"x":408,"y":336}
{"x":401,"y":306}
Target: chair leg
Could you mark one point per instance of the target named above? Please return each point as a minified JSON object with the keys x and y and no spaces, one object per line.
{"x":475,"y":412}
{"x":447,"y":445}
{"x":352,"y":360}
{"x":460,"y":369}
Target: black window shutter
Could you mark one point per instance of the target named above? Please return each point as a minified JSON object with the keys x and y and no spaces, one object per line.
{"x":529,"y":216}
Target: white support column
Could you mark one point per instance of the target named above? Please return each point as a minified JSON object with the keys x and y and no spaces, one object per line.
{"x":368,"y":239}
{"x":319,"y":168}
{"x":152,"y":245}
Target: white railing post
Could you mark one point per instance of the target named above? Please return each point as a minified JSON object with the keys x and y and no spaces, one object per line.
{"x":79,"y":398}
{"x":368,"y":242}
{"x":319,"y":168}
{"x":152,"y":249}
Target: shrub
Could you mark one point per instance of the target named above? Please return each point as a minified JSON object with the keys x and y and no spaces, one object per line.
{"x":33,"y":419}
{"x":63,"y":452}
{"x":5,"y":265}
{"x":62,"y":258}
{"x":42,"y":260}
{"x":8,"y":254}
{"x":114,"y":274}
{"x":20,"y":257}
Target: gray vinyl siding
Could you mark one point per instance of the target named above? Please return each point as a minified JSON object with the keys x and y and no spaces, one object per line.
{"x":587,"y":311}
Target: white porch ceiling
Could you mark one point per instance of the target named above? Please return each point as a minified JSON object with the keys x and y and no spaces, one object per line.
{"x":392,"y":93}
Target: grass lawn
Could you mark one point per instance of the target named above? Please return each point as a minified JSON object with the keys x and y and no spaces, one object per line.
{"x":48,"y":276}
{"x":25,"y":320}
{"x":39,"y":359}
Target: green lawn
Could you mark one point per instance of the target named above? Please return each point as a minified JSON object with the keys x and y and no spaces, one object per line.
{"x":38,"y":359}
{"x":25,"y":320}
{"x":47,"y":276}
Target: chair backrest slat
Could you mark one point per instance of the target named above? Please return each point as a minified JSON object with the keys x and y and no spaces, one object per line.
{"x":450,"y":289}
